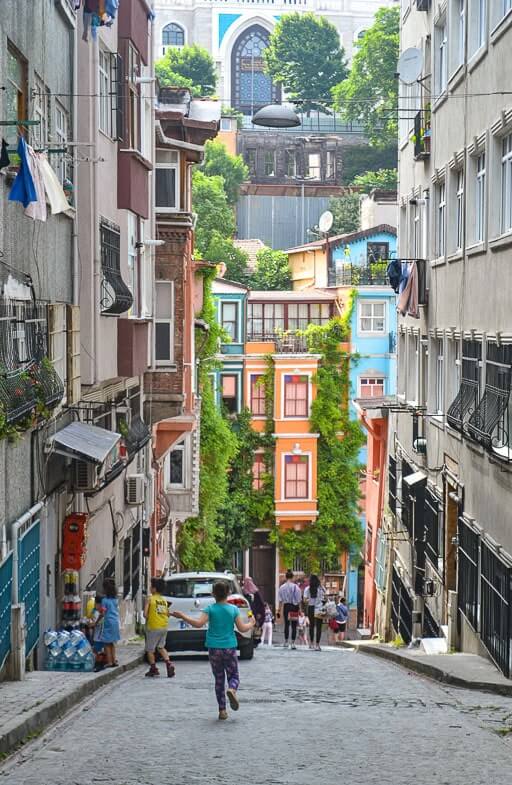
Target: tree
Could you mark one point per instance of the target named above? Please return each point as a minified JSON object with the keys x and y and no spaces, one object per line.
{"x":188,"y":66}
{"x":385,"y":179}
{"x":345,"y":210}
{"x":214,"y":214}
{"x":221,"y":250}
{"x":272,"y":271}
{"x":361,"y":158}
{"x":305,"y":55}
{"x":370,"y":92}
{"x":217,"y":161}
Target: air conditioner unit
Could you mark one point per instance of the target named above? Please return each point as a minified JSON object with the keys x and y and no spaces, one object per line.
{"x":135,"y":489}
{"x":86,"y":476}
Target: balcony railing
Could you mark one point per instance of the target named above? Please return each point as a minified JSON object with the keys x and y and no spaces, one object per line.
{"x":422,"y":135}
{"x":291,"y":344}
{"x":358,"y":275}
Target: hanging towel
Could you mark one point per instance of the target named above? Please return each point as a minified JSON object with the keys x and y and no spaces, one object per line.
{"x":408,"y":300}
{"x":23,"y":189}
{"x":37,"y":209}
{"x":111,"y":7}
{"x":54,"y":190}
{"x":4,"y":155}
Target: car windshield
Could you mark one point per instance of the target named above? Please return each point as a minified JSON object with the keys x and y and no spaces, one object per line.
{"x":194,"y":587}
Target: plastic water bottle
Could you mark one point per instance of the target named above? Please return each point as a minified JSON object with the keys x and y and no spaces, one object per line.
{"x":50,"y":637}
{"x":88,"y":662}
{"x":83,"y":647}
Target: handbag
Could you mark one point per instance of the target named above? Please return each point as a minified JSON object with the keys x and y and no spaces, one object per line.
{"x":320,"y":612}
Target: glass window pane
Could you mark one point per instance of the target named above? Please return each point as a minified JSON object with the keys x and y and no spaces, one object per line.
{"x":165,"y":187}
{"x":228,"y":312}
{"x":162,"y":341}
{"x":164,"y":300}
{"x":228,"y":386}
{"x":176,"y":466}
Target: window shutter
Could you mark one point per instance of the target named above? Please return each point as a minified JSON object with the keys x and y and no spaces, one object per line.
{"x":118,"y":97}
{"x":73,"y":356}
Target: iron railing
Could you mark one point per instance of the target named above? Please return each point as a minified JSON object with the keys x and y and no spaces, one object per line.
{"x":496,"y":577}
{"x":468,"y":395}
{"x":433,"y":530}
{"x":422,"y":135}
{"x":401,"y":607}
{"x":116,"y":298}
{"x":431,"y":628}
{"x":489,"y":423}
{"x":468,"y":574}
{"x":291,"y":344}
{"x":392,"y":484}
{"x":359,"y":275}
{"x":407,"y":499}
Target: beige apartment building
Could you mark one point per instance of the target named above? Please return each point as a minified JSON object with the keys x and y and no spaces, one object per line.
{"x":450,"y":465}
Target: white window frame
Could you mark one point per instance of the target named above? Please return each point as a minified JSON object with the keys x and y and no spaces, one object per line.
{"x":439,"y":376}
{"x":163,"y":320}
{"x":316,"y":169}
{"x":378,"y":379}
{"x":133,"y":267}
{"x":441,"y":56}
{"x":105,"y":92}
{"x":413,"y":368}
{"x":61,"y":138}
{"x":441,"y":218}
{"x":477,"y":26}
{"x":506,"y":184}
{"x":309,"y":496}
{"x":236,"y":337}
{"x":170,"y":164}
{"x":459,"y":215}
{"x":480,"y":197}
{"x":58,"y":343}
{"x":330,"y":169}
{"x":41,"y":112}
{"x":181,"y":447}
{"x":372,"y":317}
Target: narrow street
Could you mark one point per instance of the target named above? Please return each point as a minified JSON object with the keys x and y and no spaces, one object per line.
{"x":329,"y":717}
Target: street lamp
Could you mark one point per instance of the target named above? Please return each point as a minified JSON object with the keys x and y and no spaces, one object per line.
{"x":276,"y":116}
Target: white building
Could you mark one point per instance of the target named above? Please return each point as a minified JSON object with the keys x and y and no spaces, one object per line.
{"x":236,"y":32}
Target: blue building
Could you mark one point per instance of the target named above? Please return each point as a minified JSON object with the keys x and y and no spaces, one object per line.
{"x":231,"y":303}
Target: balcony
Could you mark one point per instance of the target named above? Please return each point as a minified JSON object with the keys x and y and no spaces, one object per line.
{"x":357,"y":275}
{"x":422,"y":135}
{"x":290,"y":343}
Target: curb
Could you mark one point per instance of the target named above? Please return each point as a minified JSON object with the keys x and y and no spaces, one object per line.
{"x":431,"y":671}
{"x":36,"y":722}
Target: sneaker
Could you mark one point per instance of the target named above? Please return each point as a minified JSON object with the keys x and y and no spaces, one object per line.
{"x":233,"y":699}
{"x":223,"y":715}
{"x":293,"y":646}
{"x":153,"y":671}
{"x":317,"y":647}
{"x":285,"y":645}
{"x":171,"y":670}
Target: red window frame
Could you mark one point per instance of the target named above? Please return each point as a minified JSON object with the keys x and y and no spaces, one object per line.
{"x":257,"y":396}
{"x":258,"y":470}
{"x":296,"y":477}
{"x":296,"y":395}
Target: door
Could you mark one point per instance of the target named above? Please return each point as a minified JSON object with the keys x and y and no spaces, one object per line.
{"x":262,"y":564}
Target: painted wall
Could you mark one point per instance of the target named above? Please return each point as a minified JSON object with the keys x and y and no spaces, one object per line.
{"x":358,"y":250}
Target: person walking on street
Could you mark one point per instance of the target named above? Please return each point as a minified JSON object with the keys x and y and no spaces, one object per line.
{"x":221,"y":644}
{"x":289,"y":600}
{"x":157,"y":612}
{"x":341,"y":618}
{"x":268,"y":626}
{"x":110,"y":631}
{"x":314,"y":596}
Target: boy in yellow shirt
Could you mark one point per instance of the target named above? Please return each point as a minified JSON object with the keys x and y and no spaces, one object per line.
{"x":157,"y":612}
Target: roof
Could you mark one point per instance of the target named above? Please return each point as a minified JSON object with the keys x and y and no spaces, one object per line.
{"x":251,"y":248}
{"x":305,"y":295}
{"x":350,"y":237}
{"x":85,"y":442}
{"x":222,"y":285}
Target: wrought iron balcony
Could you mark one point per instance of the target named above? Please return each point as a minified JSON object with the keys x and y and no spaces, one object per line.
{"x":359,"y":275}
{"x":422,"y":135}
{"x":116,"y":298}
{"x":291,"y":343}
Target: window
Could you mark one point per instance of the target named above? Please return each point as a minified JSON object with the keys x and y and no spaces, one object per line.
{"x":441,"y":56}
{"x":372,"y":317}
{"x":167,"y":197}
{"x":480,"y":198}
{"x":377,"y":252}
{"x":258,"y":471}
{"x":133,"y":271}
{"x":441,"y":219}
{"x":164,"y":323}
{"x":105,"y":92}
{"x":506,"y":184}
{"x":229,"y":392}
{"x":269,"y":163}
{"x":228,"y":124}
{"x":468,"y":376}
{"x":296,"y":470}
{"x":173,"y":35}
{"x":371,"y":387}
{"x":459,"y":224}
{"x":477,"y":20}
{"x":251,"y":160}
{"x":41,"y":112}
{"x":296,"y":395}
{"x":265,"y":319}
{"x":460,"y":25}
{"x":229,"y":319}
{"x":291,"y":166}
{"x":413,"y":368}
{"x":417,"y":233}
{"x":176,"y":476}
{"x":439,"y":375}
{"x":57,"y":343}
{"x":15,"y":92}
{"x":257,"y":396}
{"x":61,"y":136}
{"x":116,"y":297}
{"x":251,"y":87}
{"x":133,"y":100}
{"x":402,"y":363}
{"x":111,"y":94}
{"x":313,"y":170}
{"x":330,"y":170}
{"x":298,"y":316}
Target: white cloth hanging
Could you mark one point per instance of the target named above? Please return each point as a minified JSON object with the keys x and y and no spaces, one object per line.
{"x":54,"y":190}
{"x":36,"y":210}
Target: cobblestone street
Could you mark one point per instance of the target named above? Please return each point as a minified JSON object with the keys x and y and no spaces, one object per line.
{"x":334,"y":716}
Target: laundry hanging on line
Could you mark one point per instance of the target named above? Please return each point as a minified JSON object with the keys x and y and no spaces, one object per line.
{"x":408,"y":300}
{"x":23,"y":189}
{"x":98,"y":13}
{"x":36,"y":209}
{"x":35,"y":182}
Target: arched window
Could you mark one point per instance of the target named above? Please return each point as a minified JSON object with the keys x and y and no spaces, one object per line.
{"x":251,"y":88}
{"x":361,"y":34}
{"x":173,"y":35}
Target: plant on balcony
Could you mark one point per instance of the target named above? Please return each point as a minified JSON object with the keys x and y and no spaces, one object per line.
{"x":338,"y":526}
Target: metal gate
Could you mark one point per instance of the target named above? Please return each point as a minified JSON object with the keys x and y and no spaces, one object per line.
{"x":496,"y":577}
{"x":468,"y":574}
{"x":401,"y":607}
{"x":5,"y":608}
{"x":28,"y":582}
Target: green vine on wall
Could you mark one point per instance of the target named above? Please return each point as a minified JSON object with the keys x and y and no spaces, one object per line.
{"x":338,"y":526}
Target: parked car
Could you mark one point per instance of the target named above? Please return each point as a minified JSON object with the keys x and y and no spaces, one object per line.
{"x":191,"y":592}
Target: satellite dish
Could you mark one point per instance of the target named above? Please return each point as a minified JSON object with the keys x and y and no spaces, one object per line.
{"x":410,"y":65}
{"x":325,"y":222}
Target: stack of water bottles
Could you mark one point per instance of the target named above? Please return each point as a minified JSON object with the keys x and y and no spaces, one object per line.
{"x":68,"y":651}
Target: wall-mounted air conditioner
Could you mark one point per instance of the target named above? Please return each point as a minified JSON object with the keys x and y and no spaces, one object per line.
{"x":85,"y":476}
{"x":135,"y":489}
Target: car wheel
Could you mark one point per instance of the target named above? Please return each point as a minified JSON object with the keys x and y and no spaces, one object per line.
{"x":247,"y":651}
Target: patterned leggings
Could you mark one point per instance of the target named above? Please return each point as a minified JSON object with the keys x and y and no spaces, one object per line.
{"x":224,"y":665}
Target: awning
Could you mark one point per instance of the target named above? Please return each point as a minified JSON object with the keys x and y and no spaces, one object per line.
{"x":85,"y":442}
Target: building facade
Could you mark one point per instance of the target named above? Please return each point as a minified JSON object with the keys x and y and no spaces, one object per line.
{"x":449,"y":464}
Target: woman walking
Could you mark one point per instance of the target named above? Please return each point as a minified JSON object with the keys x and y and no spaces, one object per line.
{"x":221,"y":644}
{"x":110,"y":633}
{"x":256,"y":602}
{"x":314,"y":596}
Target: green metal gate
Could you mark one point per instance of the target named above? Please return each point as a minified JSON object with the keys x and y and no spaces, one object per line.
{"x":28,"y":582}
{"x":5,"y":608}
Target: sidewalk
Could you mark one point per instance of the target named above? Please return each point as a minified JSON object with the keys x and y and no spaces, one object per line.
{"x":460,"y":670}
{"x":27,"y":707}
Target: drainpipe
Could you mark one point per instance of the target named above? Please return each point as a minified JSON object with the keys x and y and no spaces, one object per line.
{"x":74,"y":81}
{"x":96,"y":288}
{"x":14,"y":540}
